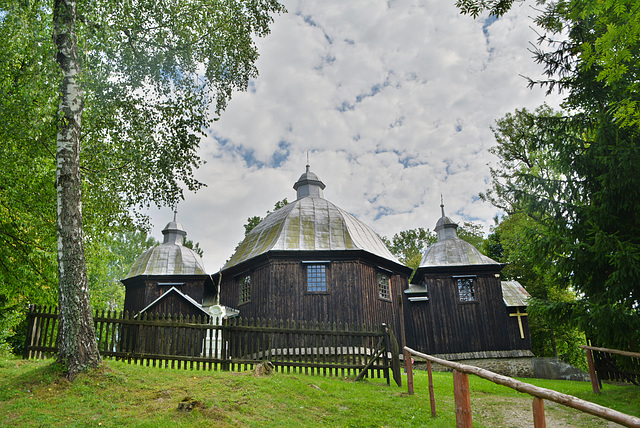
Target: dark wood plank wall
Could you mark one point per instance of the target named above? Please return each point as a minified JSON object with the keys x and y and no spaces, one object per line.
{"x":278,"y":290}
{"x":134,"y":297}
{"x":141,"y":291}
{"x":446,"y":325}
{"x":516,"y":342}
{"x":174,"y":304}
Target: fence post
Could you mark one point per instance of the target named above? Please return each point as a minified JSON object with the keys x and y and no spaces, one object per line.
{"x":538,"y":413}
{"x":432,"y":398}
{"x":462,"y":399}
{"x":409,"y":368}
{"x":592,"y":372}
{"x":27,"y":341}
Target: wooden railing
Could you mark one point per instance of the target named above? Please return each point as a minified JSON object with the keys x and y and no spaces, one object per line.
{"x":463,"y":400}
{"x":230,"y":344}
{"x":602,"y":366}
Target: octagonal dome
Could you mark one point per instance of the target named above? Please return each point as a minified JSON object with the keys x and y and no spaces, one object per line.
{"x":450,"y":250}
{"x":454,"y":252}
{"x":311,"y":223}
{"x":169,"y":258}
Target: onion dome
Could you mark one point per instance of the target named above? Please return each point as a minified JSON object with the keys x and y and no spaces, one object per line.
{"x":450,"y":250}
{"x":310,"y":223}
{"x":169,"y":258}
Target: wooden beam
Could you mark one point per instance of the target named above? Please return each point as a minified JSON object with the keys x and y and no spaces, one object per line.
{"x":539,"y":420}
{"x":612,"y":351}
{"x":408,"y":363}
{"x":432,"y":397}
{"x":547,"y":394}
{"x":462,"y":399}
{"x":592,"y":372}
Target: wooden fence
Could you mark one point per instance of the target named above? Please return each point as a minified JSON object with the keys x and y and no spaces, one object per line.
{"x":462,"y":396}
{"x":613,"y":365}
{"x":230,"y":344}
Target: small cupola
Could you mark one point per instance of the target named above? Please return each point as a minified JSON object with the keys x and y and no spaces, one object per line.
{"x":173,"y":232}
{"x":309,"y":185}
{"x":445,"y":227}
{"x":169,"y":258}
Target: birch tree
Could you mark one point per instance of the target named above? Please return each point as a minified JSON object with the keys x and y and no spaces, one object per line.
{"x":77,"y":347}
{"x":131,"y":87}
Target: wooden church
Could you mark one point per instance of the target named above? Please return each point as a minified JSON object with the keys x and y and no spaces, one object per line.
{"x":458,"y":307}
{"x":312,"y":261}
{"x":169,"y":278}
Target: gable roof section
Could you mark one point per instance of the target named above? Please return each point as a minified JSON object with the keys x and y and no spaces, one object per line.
{"x":514,"y":294}
{"x":180,"y":295}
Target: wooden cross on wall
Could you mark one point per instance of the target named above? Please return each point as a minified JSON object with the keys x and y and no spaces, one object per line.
{"x":519,"y":314}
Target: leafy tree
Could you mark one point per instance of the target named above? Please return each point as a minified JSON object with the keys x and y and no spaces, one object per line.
{"x":195,"y":246}
{"x":109,"y":261}
{"x":409,"y":245}
{"x":589,"y":197}
{"x":135,"y":83}
{"x":512,"y":241}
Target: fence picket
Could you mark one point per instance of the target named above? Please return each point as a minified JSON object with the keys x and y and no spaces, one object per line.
{"x":200,"y":343}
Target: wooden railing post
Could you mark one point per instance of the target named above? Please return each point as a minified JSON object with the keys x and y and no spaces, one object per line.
{"x":462,"y":399}
{"x":592,"y":372}
{"x":539,"y":420}
{"x":432,"y":398}
{"x":409,"y":367}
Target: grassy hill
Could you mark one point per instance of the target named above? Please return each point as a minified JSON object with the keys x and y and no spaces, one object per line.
{"x":32,"y":394}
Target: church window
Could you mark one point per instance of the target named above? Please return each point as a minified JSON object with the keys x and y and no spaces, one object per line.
{"x":466,"y":290}
{"x":316,"y":278}
{"x":245,"y":289}
{"x":384,"y":286}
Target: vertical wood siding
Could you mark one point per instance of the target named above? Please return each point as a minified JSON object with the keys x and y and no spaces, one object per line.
{"x":443,"y":324}
{"x":279,"y":291}
{"x":141,"y":291}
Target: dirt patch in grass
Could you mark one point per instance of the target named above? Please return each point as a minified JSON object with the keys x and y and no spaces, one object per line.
{"x":516,"y":412}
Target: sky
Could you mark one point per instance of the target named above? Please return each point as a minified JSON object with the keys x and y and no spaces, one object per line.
{"x":393,"y":103}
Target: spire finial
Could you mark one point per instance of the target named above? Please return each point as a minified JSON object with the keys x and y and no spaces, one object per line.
{"x":442,"y":204}
{"x":175,"y":214}
{"x":308,"y":166}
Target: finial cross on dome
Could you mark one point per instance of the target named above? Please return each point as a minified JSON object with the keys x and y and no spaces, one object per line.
{"x":442,"y":204}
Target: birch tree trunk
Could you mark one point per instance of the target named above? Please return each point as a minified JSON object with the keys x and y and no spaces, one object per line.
{"x":77,"y":348}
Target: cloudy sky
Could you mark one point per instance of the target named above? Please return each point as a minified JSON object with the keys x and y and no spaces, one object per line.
{"x":393,"y":100}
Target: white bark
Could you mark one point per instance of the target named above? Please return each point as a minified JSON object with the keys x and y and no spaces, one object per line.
{"x":76,"y":334}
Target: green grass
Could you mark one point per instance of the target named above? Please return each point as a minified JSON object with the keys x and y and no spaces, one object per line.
{"x":32,"y":394}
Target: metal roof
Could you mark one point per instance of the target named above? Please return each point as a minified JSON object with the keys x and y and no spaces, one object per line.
{"x":454,"y":252}
{"x":514,"y":294}
{"x":170,"y":257}
{"x":311,"y":223}
{"x":450,"y":250}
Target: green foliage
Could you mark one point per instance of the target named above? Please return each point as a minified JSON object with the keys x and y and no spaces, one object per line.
{"x":575,"y":174}
{"x":109,"y":261}
{"x":512,"y":241}
{"x":194,"y":246}
{"x":476,"y":7}
{"x":149,"y":74}
{"x":409,"y":245}
{"x":472,"y":233}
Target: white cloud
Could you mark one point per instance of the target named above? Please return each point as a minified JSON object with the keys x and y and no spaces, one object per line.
{"x":394,"y":100}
